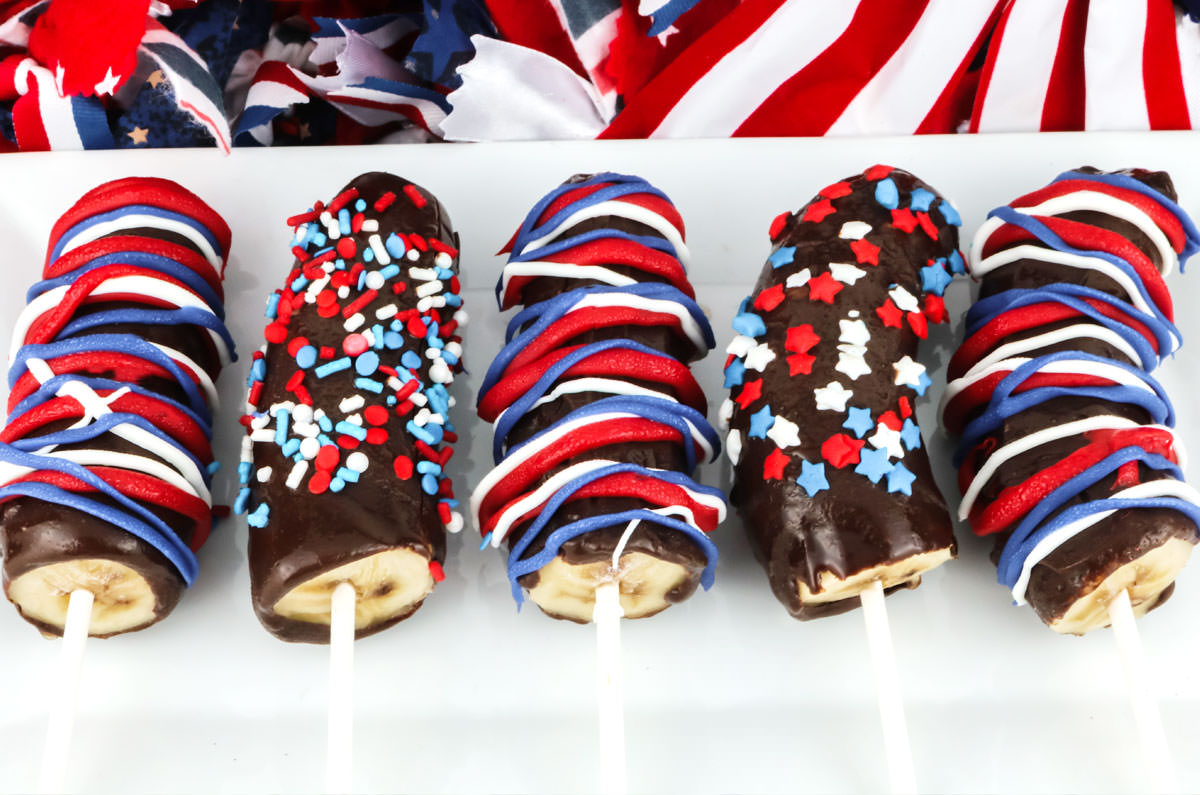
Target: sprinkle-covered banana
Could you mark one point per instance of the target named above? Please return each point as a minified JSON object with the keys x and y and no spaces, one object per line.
{"x":1067,"y":455}
{"x":598,"y":420}
{"x":348,"y":426}
{"x":105,"y":461}
{"x":831,"y":477}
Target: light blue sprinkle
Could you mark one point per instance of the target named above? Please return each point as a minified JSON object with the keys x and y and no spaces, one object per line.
{"x":347,"y":474}
{"x":366,"y":363}
{"x":335,"y":366}
{"x":258,"y":370}
{"x":921,"y":200}
{"x":344,"y":221}
{"x":452,"y":503}
{"x":449,"y":358}
{"x":214,"y":467}
{"x":282,"y":422}
{"x":368,"y":254}
{"x":244,"y":470}
{"x":949,"y":213}
{"x":350,"y":429}
{"x":420,"y":432}
{"x":362,"y":281}
{"x":273,"y":306}
{"x":395,"y":246}
{"x":299,"y":283}
{"x":391,"y":400}
{"x":325,"y":440}
{"x":956,"y":263}
{"x":439,"y":399}
{"x":393,"y":341}
{"x":784,"y":255}
{"x":319,"y":239}
{"x":735,"y":373}
{"x":429,"y":484}
{"x":369,"y":384}
{"x":336,"y":485}
{"x":452,"y":299}
{"x":298,"y":456}
{"x":900,"y":479}
{"x":306,"y":357}
{"x":428,"y":468}
{"x":887,"y":194}
{"x":411,"y":359}
{"x":377,"y":334}
{"x":325,"y":423}
{"x":239,"y":502}
{"x":260,"y":517}
{"x":435,"y":342}
{"x":291,"y":447}
{"x":360,"y":205}
{"x":749,"y":324}
{"x":340,"y":264}
{"x":388,"y":271}
{"x":487,"y":539}
{"x":934,"y":279}
{"x":443,"y":273}
{"x":396,"y":325}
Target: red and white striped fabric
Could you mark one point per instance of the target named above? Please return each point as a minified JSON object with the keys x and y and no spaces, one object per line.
{"x":1090,"y":65}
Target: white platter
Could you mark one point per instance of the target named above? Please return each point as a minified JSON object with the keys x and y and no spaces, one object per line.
{"x":725,"y":693}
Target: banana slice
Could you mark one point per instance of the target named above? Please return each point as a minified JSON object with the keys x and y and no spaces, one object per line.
{"x":124,"y":600}
{"x":1147,"y":579}
{"x":903,"y":573}
{"x":568,"y":590}
{"x":389,"y":585}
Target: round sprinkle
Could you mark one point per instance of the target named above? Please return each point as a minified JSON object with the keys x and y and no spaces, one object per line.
{"x":328,"y":457}
{"x":375,"y":415}
{"x":403,"y":467}
{"x":355,"y":344}
{"x":346,"y":247}
{"x":357,"y":462}
{"x":306,"y":357}
{"x":295,"y":345}
{"x":377,"y":436}
{"x":326,"y":297}
{"x":367,"y":363}
{"x":310,"y":447}
{"x":319,"y":482}
{"x":375,"y":280}
{"x":303,"y":413}
{"x":275,"y":333}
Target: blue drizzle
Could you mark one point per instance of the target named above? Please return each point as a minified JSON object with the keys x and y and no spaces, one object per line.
{"x":132,"y":209}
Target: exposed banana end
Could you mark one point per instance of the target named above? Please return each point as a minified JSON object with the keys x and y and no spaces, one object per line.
{"x":1148,"y":579}
{"x":839,"y":594}
{"x":648,"y":585}
{"x":389,"y":585}
{"x":124,"y":599}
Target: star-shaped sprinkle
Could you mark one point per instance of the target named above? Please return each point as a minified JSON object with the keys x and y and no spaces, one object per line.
{"x":749,"y":324}
{"x":887,"y":194}
{"x":852,"y":361}
{"x":800,"y":363}
{"x":865,"y":252}
{"x":812,"y":478}
{"x":784,"y":255}
{"x":751,"y":392}
{"x":934,"y":278}
{"x":823,"y":288}
{"x":924,"y":383}
{"x":774,"y":465}
{"x":735,"y":373}
{"x":155,"y":78}
{"x":759,"y":357}
{"x":840,"y":450}
{"x":921,"y":199}
{"x":854,"y":332}
{"x":778,"y":223}
{"x":798,"y":279}
{"x":890,"y":419}
{"x":837,"y":190}
{"x":801,"y":339}
{"x":845,"y":272}
{"x":138,"y":135}
{"x":927,"y":225}
{"x":725,"y":413}
{"x":740,"y":345}
{"x":769,"y":298}
{"x":733,"y":446}
{"x":889,"y":314}
{"x":949,"y":213}
{"x":832,"y":397}
{"x":873,"y":464}
{"x":900,"y":479}
{"x":905,"y":406}
{"x":909,"y":372}
{"x":818,"y":211}
{"x":784,"y":433}
{"x":888,"y":440}
{"x":760,"y":422}
{"x":911,"y":435}
{"x":935,"y":309}
{"x":859,"y":421}
{"x":916,"y":322}
{"x":904,"y":220}
{"x":956,"y":262}
{"x":905,"y":300}
{"x":877,"y":172}
{"x":854,"y":230}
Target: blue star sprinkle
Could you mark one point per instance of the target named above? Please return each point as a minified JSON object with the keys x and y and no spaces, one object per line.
{"x":921,"y":200}
{"x":887,"y":194}
{"x":812,"y":478}
{"x":910,"y":434}
{"x":749,"y":324}
{"x":900,"y":479}
{"x":785,"y":255}
{"x":949,"y":213}
{"x":956,"y":263}
{"x":859,"y":421}
{"x":735,"y":373}
{"x":922,"y":384}
{"x":934,"y":279}
{"x":761,"y":422}
{"x":873,"y":464}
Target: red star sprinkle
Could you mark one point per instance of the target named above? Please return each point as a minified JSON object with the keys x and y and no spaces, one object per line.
{"x":774,"y":465}
{"x":841,"y":450}
{"x":877,"y":172}
{"x":890,"y":419}
{"x":778,"y":224}
{"x":904,"y":219}
{"x":935,"y":308}
{"x":751,"y":392}
{"x":837,"y":190}
{"x":889,"y":314}
{"x":865,"y":251}
{"x":905,"y":407}
{"x":818,"y":211}
{"x":916,"y":321}
{"x":729,"y":360}
{"x":824,"y":288}
{"x":801,"y":339}
{"x":800,"y":364}
{"x":769,"y":298}
{"x":927,"y":225}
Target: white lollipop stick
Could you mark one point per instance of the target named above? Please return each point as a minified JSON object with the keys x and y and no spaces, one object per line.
{"x":609,"y":692}
{"x":1145,"y":707}
{"x":339,"y":765}
{"x":65,"y":692}
{"x":887,"y":687}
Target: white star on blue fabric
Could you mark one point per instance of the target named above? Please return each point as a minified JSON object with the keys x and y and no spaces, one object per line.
{"x":761,"y":422}
{"x":784,"y":255}
{"x":900,"y":479}
{"x":859,"y":421}
{"x":812,"y":478}
{"x":873,"y":464}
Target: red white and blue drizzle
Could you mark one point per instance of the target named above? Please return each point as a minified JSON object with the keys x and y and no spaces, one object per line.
{"x":403,"y":359}
{"x":994,"y":378}
{"x":876,"y":439}
{"x":98,"y":254}
{"x":538,"y":365}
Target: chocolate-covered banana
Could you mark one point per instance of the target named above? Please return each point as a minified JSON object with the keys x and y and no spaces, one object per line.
{"x":106,"y":459}
{"x":1067,"y":456}
{"x":348,"y":426}
{"x":599,"y":423}
{"x":831,"y":477}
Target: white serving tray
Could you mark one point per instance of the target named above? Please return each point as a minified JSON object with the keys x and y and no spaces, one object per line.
{"x":725,"y":693}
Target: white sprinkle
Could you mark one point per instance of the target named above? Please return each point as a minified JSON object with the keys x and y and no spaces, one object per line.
{"x":418,"y":399}
{"x":263,"y":474}
{"x":832,"y":397}
{"x":351,"y":404}
{"x":443,"y":260}
{"x":355,"y":419}
{"x":422,"y":274}
{"x":854,"y":313}
{"x":462,"y":318}
{"x":393,"y":383}
{"x":259,"y":422}
{"x":355,"y":322}
{"x":422,"y":417}
{"x":726,"y":413}
{"x":845,"y":272}
{"x":357,"y":462}
{"x":370,"y":225}
{"x":306,"y":429}
{"x":302,"y":414}
{"x":740,"y":345}
{"x":263,"y":435}
{"x":430,"y":288}
{"x":451,"y":401}
{"x":798,"y":279}
{"x":310,"y":447}
{"x":381,"y":255}
{"x":343,"y":292}
{"x":854,"y":230}
{"x":904,"y":300}
{"x":759,"y":357}
{"x":333,"y":230}
{"x":413,"y":255}
{"x":784,"y":432}
{"x":374,"y":280}
{"x":733,"y":445}
{"x":456,"y":522}
{"x":319,"y":413}
{"x":454,"y":349}
{"x":384,"y":312}
{"x":440,"y":373}
{"x":297,"y":474}
{"x":247,"y":453}
{"x":854,"y":332}
{"x":437,"y":419}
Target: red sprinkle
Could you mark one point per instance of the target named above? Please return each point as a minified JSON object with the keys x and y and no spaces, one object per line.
{"x":327,"y":457}
{"x":303,"y":218}
{"x":444,"y":512}
{"x":877,"y":172}
{"x":447,"y":451}
{"x":416,"y":326}
{"x":255,"y":393}
{"x":356,"y":223}
{"x":326,"y":352}
{"x":296,"y":344}
{"x":354,"y":344}
{"x":905,"y":407}
{"x":425,"y":450}
{"x":346,"y":247}
{"x":438,"y":245}
{"x":347,"y":442}
{"x":328,"y":310}
{"x":326,"y":297}
{"x":377,"y":436}
{"x":385,"y":201}
{"x":294,"y":381}
{"x":275,"y":333}
{"x":418,"y":241}
{"x":403,"y":467}
{"x":375,"y":415}
{"x":303,"y":396}
{"x":299,"y":253}
{"x":450,"y":436}
{"x":415,"y":196}
{"x":404,"y":407}
{"x":407,"y":389}
{"x":455,"y":285}
{"x":343,"y":198}
{"x":435,"y":568}
{"x":399,"y":287}
{"x":321,"y":259}
{"x":245,"y":419}
{"x":778,"y":224}
{"x":359,"y":303}
{"x":319,"y":482}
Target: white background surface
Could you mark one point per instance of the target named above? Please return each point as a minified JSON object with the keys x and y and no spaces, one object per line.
{"x":725,"y":693}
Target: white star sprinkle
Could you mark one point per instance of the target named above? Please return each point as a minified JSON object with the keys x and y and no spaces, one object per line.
{"x":846,"y":273}
{"x":832,"y":397}
{"x":854,"y":230}
{"x":908,"y":371}
{"x":733,"y":446}
{"x":784,"y":433}
{"x":887,"y":439}
{"x":904,"y":300}
{"x":854,"y":332}
{"x":852,"y":361}
{"x":740,"y":345}
{"x":725,"y":414}
{"x":759,"y":357}
{"x":798,"y":279}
